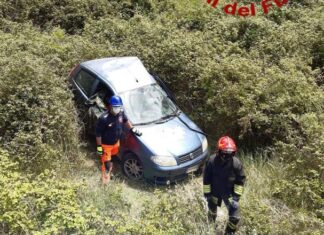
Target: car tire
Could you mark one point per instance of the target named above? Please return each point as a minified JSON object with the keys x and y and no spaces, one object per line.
{"x":132,"y":167}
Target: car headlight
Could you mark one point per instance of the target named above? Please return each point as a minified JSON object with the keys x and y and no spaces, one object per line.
{"x":164,"y":160}
{"x":204,"y":144}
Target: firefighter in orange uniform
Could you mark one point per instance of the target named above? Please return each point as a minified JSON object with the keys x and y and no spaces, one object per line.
{"x":108,"y":132}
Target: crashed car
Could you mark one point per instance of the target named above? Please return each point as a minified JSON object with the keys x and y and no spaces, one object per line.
{"x":171,"y":145}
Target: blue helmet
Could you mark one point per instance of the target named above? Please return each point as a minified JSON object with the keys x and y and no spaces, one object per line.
{"x":115,"y":101}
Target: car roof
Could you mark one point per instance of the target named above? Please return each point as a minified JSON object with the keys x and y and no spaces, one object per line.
{"x":122,"y":73}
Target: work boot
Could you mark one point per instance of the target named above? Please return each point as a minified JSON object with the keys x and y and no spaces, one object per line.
{"x":231,"y":225}
{"x":211,"y":217}
{"x":229,"y":231}
{"x":105,"y":177}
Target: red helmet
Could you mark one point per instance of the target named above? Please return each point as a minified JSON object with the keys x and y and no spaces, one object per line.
{"x":226,"y":145}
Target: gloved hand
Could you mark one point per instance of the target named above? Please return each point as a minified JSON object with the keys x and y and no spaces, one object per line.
{"x":233,"y":202}
{"x":99,"y":150}
{"x":135,"y":131}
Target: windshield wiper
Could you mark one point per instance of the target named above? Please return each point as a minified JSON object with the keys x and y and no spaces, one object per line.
{"x":167,"y":117}
{"x":161,"y":120}
{"x":144,"y":123}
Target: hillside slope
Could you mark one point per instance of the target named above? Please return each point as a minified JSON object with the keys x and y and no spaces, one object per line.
{"x":260,"y":79}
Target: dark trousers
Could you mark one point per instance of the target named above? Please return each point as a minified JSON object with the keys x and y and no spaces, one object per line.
{"x":233,"y":213}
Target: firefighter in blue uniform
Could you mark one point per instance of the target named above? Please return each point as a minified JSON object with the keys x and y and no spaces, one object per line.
{"x":223,"y":182}
{"x":108,"y":132}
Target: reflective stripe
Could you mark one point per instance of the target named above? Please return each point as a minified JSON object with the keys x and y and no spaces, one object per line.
{"x":215,"y":200}
{"x":207,"y":188}
{"x":231,"y":225}
{"x":230,"y":200}
{"x":213,"y":212}
{"x":238,"y":189}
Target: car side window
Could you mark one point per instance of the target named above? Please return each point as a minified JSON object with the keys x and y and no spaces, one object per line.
{"x":85,"y":81}
{"x":99,"y":100}
{"x":103,"y":92}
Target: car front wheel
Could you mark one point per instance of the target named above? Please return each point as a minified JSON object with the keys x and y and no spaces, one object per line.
{"x":132,"y":167}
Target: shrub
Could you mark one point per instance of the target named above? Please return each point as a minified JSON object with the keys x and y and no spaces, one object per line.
{"x":264,"y":214}
{"x":302,"y":188}
{"x":44,"y":205}
{"x":69,"y":15}
{"x":34,"y":125}
{"x":39,"y":124}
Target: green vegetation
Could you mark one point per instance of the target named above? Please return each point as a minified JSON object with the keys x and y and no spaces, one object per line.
{"x":260,"y":80}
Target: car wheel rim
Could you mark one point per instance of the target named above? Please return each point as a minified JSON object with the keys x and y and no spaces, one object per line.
{"x":133,"y":169}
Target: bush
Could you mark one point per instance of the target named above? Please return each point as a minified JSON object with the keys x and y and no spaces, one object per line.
{"x":44,"y":205}
{"x":35,"y":127}
{"x":69,"y":15}
{"x":264,"y":214}
{"x":39,"y":123}
{"x":302,"y":188}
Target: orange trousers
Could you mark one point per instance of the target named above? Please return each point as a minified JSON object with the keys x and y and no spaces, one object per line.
{"x":108,"y":152}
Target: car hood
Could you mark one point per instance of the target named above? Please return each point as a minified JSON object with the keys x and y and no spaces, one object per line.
{"x":171,"y":138}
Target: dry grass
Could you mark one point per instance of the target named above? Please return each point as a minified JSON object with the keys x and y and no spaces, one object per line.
{"x":261,"y":213}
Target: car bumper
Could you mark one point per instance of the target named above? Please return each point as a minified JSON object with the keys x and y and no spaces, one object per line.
{"x":167,"y":175}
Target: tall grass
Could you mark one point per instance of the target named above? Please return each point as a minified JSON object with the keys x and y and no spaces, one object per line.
{"x":262,"y":213}
{"x":142,"y":208}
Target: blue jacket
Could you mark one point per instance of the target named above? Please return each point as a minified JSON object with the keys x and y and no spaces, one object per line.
{"x":110,"y":127}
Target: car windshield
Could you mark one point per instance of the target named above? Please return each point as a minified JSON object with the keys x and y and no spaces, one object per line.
{"x":147,"y":104}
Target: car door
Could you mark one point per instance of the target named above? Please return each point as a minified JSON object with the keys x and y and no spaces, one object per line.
{"x":97,"y":103}
{"x":84,"y":83}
